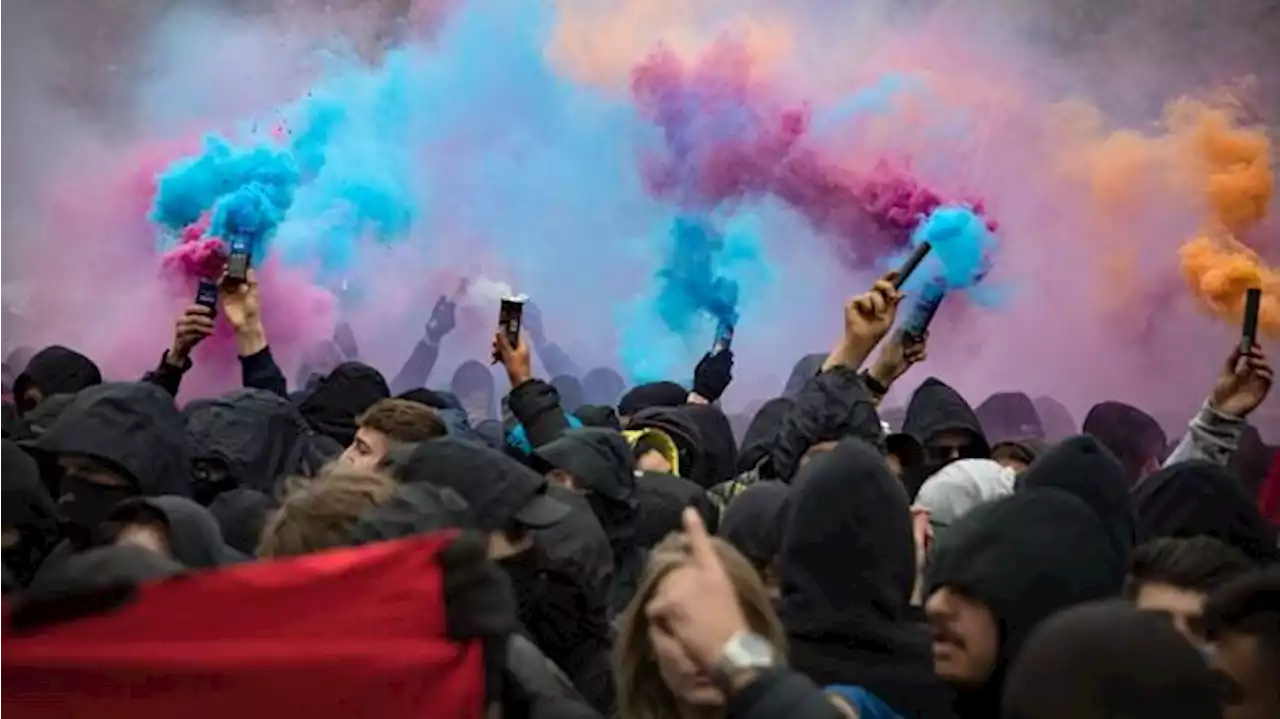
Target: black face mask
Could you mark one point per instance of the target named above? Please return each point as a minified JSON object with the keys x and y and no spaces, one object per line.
{"x":85,"y":505}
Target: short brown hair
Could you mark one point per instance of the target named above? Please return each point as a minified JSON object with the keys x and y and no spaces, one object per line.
{"x":320,"y":513}
{"x":403,"y":420}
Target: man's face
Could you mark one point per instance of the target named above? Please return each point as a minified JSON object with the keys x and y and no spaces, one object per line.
{"x":653,"y":461}
{"x":564,"y":478}
{"x":366,"y":450}
{"x":1183,"y":607}
{"x":965,"y":637}
{"x":948,"y":445}
{"x":1256,"y":692}
{"x":90,"y":470}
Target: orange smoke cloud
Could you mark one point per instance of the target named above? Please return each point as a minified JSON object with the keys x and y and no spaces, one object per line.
{"x":1234,"y":163}
{"x":598,"y":42}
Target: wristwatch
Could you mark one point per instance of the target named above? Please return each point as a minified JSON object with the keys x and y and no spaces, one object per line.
{"x":745,"y":651}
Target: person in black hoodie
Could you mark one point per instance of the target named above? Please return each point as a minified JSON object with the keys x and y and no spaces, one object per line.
{"x":472,"y":384}
{"x":1198,"y":497}
{"x":598,"y":464}
{"x":53,"y":370}
{"x":719,"y":450}
{"x":848,"y":567}
{"x":945,"y":425}
{"x":507,"y":501}
{"x":30,"y":516}
{"x":250,"y":438}
{"x":1132,"y":435}
{"x":602,"y":386}
{"x":116,"y":441}
{"x":754,"y":522}
{"x":332,"y":406}
{"x":241,"y":514}
{"x":998,"y":572}
{"x":648,"y":396}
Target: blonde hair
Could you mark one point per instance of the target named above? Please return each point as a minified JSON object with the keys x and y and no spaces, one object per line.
{"x":642,"y":694}
{"x":320,"y":513}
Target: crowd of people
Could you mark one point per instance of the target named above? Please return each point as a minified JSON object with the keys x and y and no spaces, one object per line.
{"x":357,"y":547}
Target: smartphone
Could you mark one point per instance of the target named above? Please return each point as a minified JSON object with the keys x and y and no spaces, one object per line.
{"x":510,"y":312}
{"x":1249,"y":333}
{"x":724,"y":338}
{"x":238,"y":259}
{"x":925,"y":308}
{"x":207,"y":294}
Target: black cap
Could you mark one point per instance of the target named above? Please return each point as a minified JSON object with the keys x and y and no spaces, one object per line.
{"x":600,"y":459}
{"x":497,"y":489}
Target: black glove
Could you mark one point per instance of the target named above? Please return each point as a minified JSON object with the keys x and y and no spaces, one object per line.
{"x":713,"y":375}
{"x":443,"y":319}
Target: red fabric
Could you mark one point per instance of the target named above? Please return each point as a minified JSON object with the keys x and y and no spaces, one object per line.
{"x":348,"y":633}
{"x":1269,"y":493}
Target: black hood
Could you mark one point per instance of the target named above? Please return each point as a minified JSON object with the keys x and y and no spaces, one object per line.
{"x":755,"y":520}
{"x":1132,"y":435}
{"x":936,"y":407}
{"x":241,"y":515}
{"x":259,"y":436}
{"x":195,"y":540}
{"x":598,"y":415}
{"x":1025,"y":557}
{"x":802,"y":371}
{"x":1070,"y":668}
{"x":602,"y":386}
{"x":1083,"y":467}
{"x":434,"y":399}
{"x":758,"y":441}
{"x":320,"y":359}
{"x":41,"y":418}
{"x":682,"y":430}
{"x":1009,"y":416}
{"x":418,"y":508}
{"x":663,"y":498}
{"x":29,"y":510}
{"x":570,"y":391}
{"x":332,"y":406}
{"x":1200,"y":498}
{"x":56,"y":370}
{"x":718,"y":460}
{"x":600,"y":459}
{"x":132,"y":425}
{"x":652,"y":395}
{"x":848,"y":564}
{"x":1055,"y":418}
{"x":496,"y":487}
{"x":473,"y":378}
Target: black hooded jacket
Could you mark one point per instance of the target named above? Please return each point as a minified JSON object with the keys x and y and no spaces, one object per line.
{"x":1025,"y":557}
{"x":55,"y":370}
{"x":1198,"y":497}
{"x":133,"y":426}
{"x":719,"y":450}
{"x":848,"y":565}
{"x":195,"y":541}
{"x":259,"y":437}
{"x":601,"y":461}
{"x":755,"y":520}
{"x":1133,"y":436}
{"x":29,"y":511}
{"x":1083,"y":467}
{"x":663,"y":498}
{"x":1009,"y":416}
{"x":682,"y":430}
{"x":536,"y":405}
{"x":652,"y":395}
{"x":758,"y":441}
{"x":332,"y":406}
{"x":935,"y":407}
{"x":805,"y":369}
{"x":831,"y":406}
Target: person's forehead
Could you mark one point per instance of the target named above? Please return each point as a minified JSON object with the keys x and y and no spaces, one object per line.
{"x":949,"y":436}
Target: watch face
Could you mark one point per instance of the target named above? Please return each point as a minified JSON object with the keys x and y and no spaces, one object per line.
{"x":750,"y":650}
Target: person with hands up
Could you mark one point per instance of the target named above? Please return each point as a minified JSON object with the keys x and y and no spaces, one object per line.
{"x":696,"y":607}
{"x":1214,"y":433}
{"x":192,"y":327}
{"x":534,"y":403}
{"x":867,"y":318}
{"x":417,"y":369}
{"x":241,"y":304}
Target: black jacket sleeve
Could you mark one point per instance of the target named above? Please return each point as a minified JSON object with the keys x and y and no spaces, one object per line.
{"x":831,"y":405}
{"x":417,"y":369}
{"x":536,"y":405}
{"x":166,"y":376}
{"x":260,"y":371}
{"x":781,"y":693}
